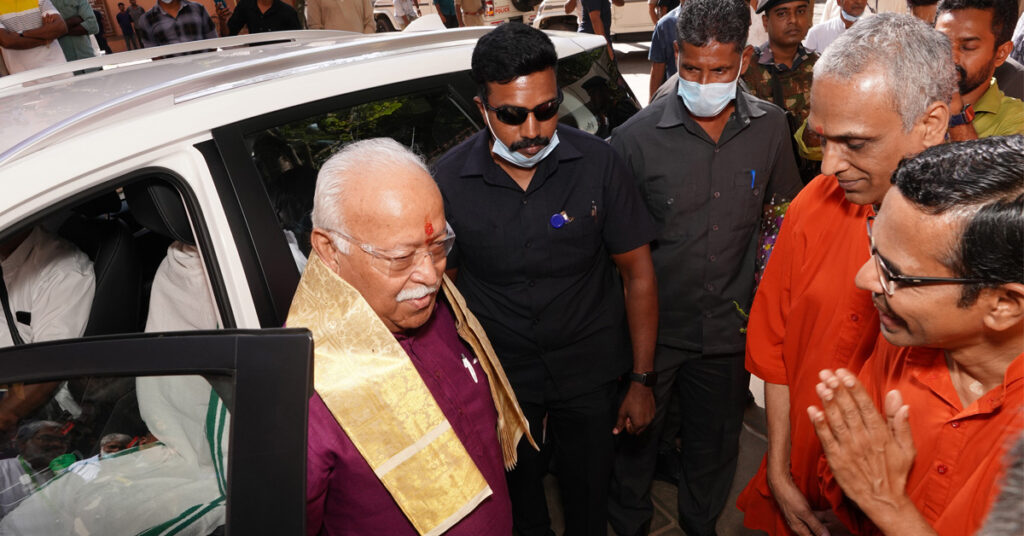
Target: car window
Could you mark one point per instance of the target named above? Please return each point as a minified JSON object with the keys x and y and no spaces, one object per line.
{"x":119,"y":455}
{"x":288,"y":156}
{"x":597,"y":98}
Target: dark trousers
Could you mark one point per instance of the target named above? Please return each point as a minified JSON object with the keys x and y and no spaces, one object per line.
{"x":712,"y":393}
{"x":579,"y":435}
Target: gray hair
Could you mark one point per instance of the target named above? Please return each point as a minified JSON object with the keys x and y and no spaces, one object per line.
{"x":364,"y":158}
{"x":28,"y":431}
{"x":1004,"y":517}
{"x":916,"y":59}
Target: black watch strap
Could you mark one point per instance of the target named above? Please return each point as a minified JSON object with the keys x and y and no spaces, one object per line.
{"x":647,"y":379}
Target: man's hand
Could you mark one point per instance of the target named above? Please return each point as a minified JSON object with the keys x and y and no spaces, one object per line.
{"x":869,"y":456}
{"x":224,"y":13}
{"x":636,"y":411}
{"x":795,"y":508}
{"x":570,"y":6}
{"x":8,"y":421}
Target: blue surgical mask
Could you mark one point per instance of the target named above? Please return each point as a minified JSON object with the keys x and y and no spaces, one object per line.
{"x":515,"y":157}
{"x":707,"y":100}
{"x":848,"y":17}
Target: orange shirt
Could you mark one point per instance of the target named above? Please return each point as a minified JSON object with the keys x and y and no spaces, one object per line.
{"x":807,"y":316}
{"x":960,"y":451}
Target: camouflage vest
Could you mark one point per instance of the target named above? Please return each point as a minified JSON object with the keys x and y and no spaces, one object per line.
{"x":794,"y":84}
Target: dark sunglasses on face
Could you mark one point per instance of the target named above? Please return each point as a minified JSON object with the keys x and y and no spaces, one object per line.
{"x":516,"y":115}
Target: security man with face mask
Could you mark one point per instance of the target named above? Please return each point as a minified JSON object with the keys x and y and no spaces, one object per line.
{"x":707,"y":159}
{"x":543,"y":214}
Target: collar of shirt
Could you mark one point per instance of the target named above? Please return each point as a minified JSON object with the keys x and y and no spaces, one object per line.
{"x":765,"y":56}
{"x":990,"y":100}
{"x":481,"y":164}
{"x":676,"y":114}
{"x":933,"y":373}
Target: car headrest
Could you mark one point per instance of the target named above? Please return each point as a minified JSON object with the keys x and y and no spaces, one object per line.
{"x":157,"y":206}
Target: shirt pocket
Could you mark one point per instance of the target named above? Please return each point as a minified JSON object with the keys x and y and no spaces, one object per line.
{"x":747,"y":194}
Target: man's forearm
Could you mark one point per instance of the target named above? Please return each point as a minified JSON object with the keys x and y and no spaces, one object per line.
{"x":642,"y":317}
{"x":776,"y":405}
{"x":12,"y":41}
{"x":48,"y":31}
{"x":963,"y":133}
{"x":74,"y":25}
{"x":656,"y":79}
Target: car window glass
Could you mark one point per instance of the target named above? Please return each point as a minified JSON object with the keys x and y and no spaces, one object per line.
{"x":597,"y":98}
{"x":130,"y":455}
{"x":289,"y":156}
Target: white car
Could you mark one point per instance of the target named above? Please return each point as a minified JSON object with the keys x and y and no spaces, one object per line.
{"x":211,"y":149}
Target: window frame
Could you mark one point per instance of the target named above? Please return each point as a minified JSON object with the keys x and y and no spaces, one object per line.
{"x":268,"y":433}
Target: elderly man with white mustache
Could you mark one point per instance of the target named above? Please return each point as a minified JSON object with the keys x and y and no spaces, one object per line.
{"x":411,"y":429}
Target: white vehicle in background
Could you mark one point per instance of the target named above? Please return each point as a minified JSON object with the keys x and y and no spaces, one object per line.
{"x":495,"y":12}
{"x":632,"y":17}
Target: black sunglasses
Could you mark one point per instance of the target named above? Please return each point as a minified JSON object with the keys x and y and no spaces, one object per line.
{"x":516,"y":115}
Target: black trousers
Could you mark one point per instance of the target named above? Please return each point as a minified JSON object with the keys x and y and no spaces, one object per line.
{"x":712,"y":394}
{"x":579,"y":436}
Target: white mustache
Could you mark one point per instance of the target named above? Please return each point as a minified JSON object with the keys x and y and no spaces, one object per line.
{"x":416,"y":292}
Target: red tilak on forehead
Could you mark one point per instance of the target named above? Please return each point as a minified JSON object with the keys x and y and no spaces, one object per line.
{"x":428,"y":228}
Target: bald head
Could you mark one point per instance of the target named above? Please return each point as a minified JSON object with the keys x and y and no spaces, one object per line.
{"x":377,"y":195}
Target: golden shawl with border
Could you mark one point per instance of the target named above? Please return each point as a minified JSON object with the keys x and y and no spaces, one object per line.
{"x":370,"y":385}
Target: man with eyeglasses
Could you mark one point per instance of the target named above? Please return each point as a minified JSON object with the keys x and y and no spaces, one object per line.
{"x":708,"y":158}
{"x":411,"y":429}
{"x":871,"y":109}
{"x":38,"y":443}
{"x":948,"y":373}
{"x":544,"y":214}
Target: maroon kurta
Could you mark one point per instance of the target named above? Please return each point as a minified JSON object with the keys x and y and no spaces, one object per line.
{"x":343,"y":494}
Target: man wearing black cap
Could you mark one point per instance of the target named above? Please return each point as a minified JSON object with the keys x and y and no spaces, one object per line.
{"x":781,"y":69}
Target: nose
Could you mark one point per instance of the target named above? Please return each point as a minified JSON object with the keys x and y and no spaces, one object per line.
{"x":530,"y":128}
{"x":867,"y":277}
{"x":425,"y":271}
{"x":833,"y":161}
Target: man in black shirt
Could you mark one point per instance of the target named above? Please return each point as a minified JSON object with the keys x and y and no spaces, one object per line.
{"x":260,"y":16}
{"x":543,"y":214}
{"x":707,"y":158}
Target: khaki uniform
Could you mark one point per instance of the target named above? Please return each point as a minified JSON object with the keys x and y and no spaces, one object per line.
{"x":472,"y":12}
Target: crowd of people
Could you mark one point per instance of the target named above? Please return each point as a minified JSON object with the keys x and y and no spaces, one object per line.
{"x":540,"y":300}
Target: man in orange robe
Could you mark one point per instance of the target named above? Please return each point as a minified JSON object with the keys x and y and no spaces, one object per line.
{"x":950,"y":370}
{"x":807,"y":314}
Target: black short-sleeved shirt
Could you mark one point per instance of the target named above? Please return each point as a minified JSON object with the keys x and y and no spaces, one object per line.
{"x":550,"y":299}
{"x":707,"y":199}
{"x":278,"y":18}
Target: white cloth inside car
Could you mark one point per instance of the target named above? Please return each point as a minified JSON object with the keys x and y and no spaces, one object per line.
{"x":50,"y":284}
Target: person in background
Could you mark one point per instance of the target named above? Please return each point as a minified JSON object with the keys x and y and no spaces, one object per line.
{"x":28,"y":35}
{"x":781,"y":69}
{"x":707,"y":159}
{"x":258,"y":16}
{"x":663,"y":52}
{"x":81,"y":23}
{"x":124,"y":21}
{"x":981,"y":35}
{"x":348,"y":15}
{"x":175,"y":21}
{"x":826,"y":31}
{"x":136,"y":12}
{"x":101,"y":33}
{"x":38,"y":443}
{"x":450,"y":16}
{"x":923,"y":9}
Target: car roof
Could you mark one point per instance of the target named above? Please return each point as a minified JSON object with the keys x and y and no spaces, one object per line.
{"x":43,"y":105}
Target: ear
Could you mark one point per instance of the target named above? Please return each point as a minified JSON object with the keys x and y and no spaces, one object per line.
{"x":1007,"y":307}
{"x":1002,"y":52}
{"x":748,"y":52}
{"x":324,"y":247}
{"x":935,"y":123}
{"x":764,"y":21}
{"x":481,"y":108}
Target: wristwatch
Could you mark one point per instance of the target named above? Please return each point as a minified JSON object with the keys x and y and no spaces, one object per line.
{"x":963,"y":118}
{"x":647,"y":379}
